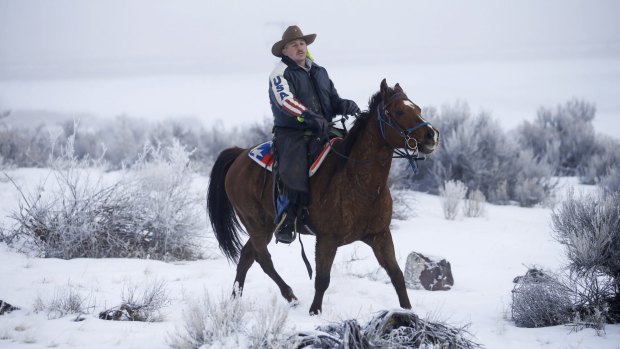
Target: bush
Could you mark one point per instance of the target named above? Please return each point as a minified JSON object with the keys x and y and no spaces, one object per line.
{"x":451,"y":195}
{"x":225,"y":324}
{"x":611,"y":183}
{"x":477,"y":152}
{"x":474,"y":205}
{"x":140,"y":304}
{"x":63,"y":302}
{"x":154,"y":213}
{"x":589,"y":228}
{"x":388,"y":329}
{"x":564,"y":137}
{"x":402,"y":204}
{"x":540,"y":299}
{"x":602,"y":163}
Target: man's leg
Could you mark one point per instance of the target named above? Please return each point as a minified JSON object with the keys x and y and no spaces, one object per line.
{"x":292,"y":169}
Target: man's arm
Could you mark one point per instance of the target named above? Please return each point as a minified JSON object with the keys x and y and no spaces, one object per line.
{"x":284,"y":95}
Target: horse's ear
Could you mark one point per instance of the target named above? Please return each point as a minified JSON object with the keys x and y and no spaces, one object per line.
{"x":384,"y":87}
{"x":397,"y":88}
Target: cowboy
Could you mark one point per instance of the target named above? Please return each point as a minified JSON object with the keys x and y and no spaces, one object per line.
{"x":304,"y":102}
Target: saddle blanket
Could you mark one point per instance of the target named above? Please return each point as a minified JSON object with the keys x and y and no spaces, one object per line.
{"x":263,"y":155}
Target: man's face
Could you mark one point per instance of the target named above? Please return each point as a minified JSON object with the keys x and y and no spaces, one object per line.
{"x":296,"y":50}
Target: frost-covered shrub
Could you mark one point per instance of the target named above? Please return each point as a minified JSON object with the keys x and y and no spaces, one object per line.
{"x":231,"y":322}
{"x":603,"y":162}
{"x":169,"y":208}
{"x":402,"y":204}
{"x":153,"y":213}
{"x":64,"y":301}
{"x":140,"y":303}
{"x":117,"y":141}
{"x":540,"y":299}
{"x":398,"y":329}
{"x":474,"y":204}
{"x":589,"y":228}
{"x":611,"y":182}
{"x":451,"y":195}
{"x":477,"y":152}
{"x":565,"y":136}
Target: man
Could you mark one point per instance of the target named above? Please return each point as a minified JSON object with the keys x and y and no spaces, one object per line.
{"x":303,"y":101}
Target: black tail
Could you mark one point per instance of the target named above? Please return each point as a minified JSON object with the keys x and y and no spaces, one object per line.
{"x":220,"y":210}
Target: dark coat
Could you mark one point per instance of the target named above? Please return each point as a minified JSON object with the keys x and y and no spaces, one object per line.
{"x":294,"y":91}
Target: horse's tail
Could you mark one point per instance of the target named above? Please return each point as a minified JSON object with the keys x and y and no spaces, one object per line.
{"x":221,"y":213}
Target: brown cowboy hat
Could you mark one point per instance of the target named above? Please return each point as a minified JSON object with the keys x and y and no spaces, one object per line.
{"x":291,"y":33}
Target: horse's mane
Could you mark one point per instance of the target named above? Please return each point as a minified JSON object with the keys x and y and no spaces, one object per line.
{"x":360,"y":123}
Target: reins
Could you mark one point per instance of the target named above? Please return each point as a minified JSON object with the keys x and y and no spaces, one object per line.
{"x":409,"y":151}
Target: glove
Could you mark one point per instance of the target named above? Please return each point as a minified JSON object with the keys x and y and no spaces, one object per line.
{"x":349,"y":107}
{"x":315,"y":122}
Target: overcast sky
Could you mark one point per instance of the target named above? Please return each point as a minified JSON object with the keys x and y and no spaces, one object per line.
{"x":74,"y":38}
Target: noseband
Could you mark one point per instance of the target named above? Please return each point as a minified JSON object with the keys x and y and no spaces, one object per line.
{"x":410,"y":151}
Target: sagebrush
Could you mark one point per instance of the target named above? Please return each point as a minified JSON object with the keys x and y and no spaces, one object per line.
{"x":151,"y":211}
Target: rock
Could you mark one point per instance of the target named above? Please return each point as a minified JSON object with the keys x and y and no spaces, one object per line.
{"x":433,"y":274}
{"x":6,"y":308}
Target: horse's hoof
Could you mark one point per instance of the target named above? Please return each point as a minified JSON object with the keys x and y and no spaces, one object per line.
{"x":293,"y":303}
{"x":314,"y":312}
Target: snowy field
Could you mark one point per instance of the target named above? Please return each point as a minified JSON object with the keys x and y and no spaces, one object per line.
{"x":486,"y":254}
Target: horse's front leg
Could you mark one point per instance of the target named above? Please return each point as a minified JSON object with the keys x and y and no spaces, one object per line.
{"x":325,"y":254}
{"x":383,"y":247}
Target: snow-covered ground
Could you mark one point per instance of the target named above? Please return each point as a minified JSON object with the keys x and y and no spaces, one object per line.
{"x":486,"y":254}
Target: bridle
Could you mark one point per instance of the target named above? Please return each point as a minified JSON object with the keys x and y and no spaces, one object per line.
{"x":410,"y":150}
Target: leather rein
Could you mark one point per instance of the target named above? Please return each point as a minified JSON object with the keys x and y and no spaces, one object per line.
{"x":410,"y":149}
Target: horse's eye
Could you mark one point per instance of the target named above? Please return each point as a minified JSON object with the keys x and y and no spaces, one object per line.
{"x":399,"y":112}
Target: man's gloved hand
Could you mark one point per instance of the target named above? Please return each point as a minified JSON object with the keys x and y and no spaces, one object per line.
{"x":315,"y":122}
{"x":349,"y":107}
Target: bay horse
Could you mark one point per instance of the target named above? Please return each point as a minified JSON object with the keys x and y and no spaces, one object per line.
{"x":350,"y":198}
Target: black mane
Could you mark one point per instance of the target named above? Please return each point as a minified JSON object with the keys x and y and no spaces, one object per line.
{"x":360,"y":123}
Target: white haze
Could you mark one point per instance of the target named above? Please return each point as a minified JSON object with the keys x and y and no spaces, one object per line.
{"x":210,"y":59}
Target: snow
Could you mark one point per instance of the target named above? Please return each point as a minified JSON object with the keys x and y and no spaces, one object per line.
{"x":153,"y":60}
{"x":486,"y":253}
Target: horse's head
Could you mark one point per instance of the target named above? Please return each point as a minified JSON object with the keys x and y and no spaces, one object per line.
{"x":401,"y":123}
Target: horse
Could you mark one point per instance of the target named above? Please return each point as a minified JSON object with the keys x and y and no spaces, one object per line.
{"x":350,"y":197}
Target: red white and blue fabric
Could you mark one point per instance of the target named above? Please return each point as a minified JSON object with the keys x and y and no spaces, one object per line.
{"x":282,"y":92}
{"x":263,"y":155}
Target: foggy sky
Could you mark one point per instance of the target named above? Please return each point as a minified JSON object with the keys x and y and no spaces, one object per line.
{"x":73,"y":38}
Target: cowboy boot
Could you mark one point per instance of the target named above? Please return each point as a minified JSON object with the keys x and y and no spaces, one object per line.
{"x":285,"y":230}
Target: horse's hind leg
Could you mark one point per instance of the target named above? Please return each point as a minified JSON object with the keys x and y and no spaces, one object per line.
{"x":383,"y":247}
{"x":246,"y":259}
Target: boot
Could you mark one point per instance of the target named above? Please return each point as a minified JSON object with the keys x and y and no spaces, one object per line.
{"x":285,"y":230}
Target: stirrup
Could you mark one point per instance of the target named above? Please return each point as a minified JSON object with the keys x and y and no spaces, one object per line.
{"x":285,"y":237}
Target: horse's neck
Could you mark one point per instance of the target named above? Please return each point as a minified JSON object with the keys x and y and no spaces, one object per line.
{"x":371,"y":159}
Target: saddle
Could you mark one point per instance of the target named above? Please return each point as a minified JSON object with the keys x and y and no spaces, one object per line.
{"x":263,"y":155}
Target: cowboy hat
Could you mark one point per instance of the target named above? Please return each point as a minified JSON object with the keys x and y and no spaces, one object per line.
{"x":291,"y":33}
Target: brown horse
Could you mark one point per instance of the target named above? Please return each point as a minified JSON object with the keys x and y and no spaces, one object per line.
{"x":350,"y":197}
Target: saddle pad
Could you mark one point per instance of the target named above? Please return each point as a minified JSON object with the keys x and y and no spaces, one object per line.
{"x":263,"y":155}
